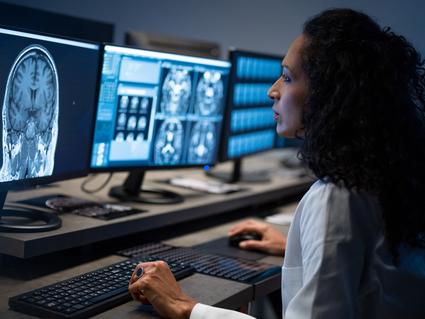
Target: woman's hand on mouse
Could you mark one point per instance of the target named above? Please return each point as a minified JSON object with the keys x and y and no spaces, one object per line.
{"x":272,"y":241}
{"x":153,"y":283}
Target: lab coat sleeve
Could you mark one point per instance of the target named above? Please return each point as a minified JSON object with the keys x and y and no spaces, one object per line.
{"x":201,"y":311}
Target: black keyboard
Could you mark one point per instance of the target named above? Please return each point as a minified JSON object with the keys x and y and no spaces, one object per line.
{"x":145,"y":249}
{"x":87,"y":294}
{"x":233,"y":268}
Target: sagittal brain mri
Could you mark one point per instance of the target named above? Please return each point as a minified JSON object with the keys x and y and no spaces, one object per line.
{"x":202,"y":142}
{"x":209,"y":93}
{"x":169,"y":142}
{"x":176,"y":91}
{"x":30,"y":116}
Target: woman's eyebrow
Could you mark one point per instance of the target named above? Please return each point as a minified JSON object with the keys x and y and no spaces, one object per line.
{"x":285,"y":66}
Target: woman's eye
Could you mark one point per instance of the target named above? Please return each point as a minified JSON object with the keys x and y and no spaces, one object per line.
{"x":286,"y":78}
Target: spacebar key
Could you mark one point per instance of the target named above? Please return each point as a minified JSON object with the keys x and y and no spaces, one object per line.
{"x":109,"y":294}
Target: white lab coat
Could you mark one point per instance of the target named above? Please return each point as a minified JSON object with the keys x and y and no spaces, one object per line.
{"x":337,"y":264}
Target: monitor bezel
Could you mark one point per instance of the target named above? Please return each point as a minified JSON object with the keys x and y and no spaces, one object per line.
{"x":33,"y":182}
{"x":156,"y":167}
{"x":233,"y":53}
{"x":105,"y":35}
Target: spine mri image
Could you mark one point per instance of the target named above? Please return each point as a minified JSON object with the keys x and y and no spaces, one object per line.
{"x":30,"y":116}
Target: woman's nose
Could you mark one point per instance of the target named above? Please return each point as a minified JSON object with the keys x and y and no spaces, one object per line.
{"x":273,"y":93}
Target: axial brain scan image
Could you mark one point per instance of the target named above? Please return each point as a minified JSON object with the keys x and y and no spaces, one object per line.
{"x":169,"y":142}
{"x":202,"y":142}
{"x":209,"y":93}
{"x":176,"y":92}
{"x":30,"y":116}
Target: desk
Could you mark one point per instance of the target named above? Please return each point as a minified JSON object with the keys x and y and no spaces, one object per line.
{"x":80,"y":231}
{"x":205,"y":289}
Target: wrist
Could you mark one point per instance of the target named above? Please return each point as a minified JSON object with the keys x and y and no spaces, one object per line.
{"x":185,"y":307}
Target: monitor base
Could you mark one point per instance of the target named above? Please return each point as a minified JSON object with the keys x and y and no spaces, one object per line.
{"x":133,"y":191}
{"x":147,"y":195}
{"x":21,"y":220}
{"x":237,"y":174}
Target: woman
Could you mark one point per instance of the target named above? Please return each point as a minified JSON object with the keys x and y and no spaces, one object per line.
{"x":356,"y":248}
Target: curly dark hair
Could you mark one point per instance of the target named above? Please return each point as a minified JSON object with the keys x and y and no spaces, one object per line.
{"x":364,"y":123}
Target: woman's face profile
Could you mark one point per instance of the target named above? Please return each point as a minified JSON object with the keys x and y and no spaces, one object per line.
{"x":289,"y":92}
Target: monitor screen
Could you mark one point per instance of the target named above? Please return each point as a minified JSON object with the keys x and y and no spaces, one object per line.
{"x":158,"y":110}
{"x":48,"y":89}
{"x":250,"y":127}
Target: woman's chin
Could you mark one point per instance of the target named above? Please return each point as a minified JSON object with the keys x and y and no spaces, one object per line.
{"x":284,"y":132}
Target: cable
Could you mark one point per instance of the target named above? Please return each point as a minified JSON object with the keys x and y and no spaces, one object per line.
{"x":95,"y":190}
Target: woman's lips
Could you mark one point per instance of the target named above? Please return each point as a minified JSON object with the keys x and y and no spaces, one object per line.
{"x":276,"y":116}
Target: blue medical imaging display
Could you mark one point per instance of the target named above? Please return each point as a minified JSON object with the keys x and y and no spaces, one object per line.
{"x":250,"y":127}
{"x":48,"y":90}
{"x":158,"y":110}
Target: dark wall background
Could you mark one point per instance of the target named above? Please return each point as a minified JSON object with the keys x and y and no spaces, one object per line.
{"x":261,"y":25}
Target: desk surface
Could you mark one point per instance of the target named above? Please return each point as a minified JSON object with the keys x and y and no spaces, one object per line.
{"x":79,"y":230}
{"x":205,"y":289}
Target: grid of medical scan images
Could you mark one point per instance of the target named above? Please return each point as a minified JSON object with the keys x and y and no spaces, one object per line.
{"x":252,"y":127}
{"x":158,"y":109}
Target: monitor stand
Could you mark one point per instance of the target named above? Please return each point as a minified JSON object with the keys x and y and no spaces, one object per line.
{"x":133,"y":191}
{"x":18,"y":219}
{"x":237,"y":175}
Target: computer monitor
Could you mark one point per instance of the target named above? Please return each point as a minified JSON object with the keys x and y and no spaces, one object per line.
{"x":156,"y":111}
{"x":48,"y":91}
{"x":249,"y":127}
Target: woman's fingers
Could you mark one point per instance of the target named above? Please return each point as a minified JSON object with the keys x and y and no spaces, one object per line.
{"x":247,"y":226}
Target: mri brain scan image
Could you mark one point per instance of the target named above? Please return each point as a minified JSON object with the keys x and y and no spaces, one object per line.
{"x":140,"y":137}
{"x":30,"y":116}
{"x":122,"y":119}
{"x":119,"y":137}
{"x":176,"y":92}
{"x":202,"y":143}
{"x":144,"y":104}
{"x":130,"y":137}
{"x":209,"y":94}
{"x":132,"y":122}
{"x":134,"y":103}
{"x":124,"y":102}
{"x":169,"y":142}
{"x":141,"y":124}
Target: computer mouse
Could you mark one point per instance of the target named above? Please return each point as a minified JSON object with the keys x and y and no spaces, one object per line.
{"x":236,"y":239}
